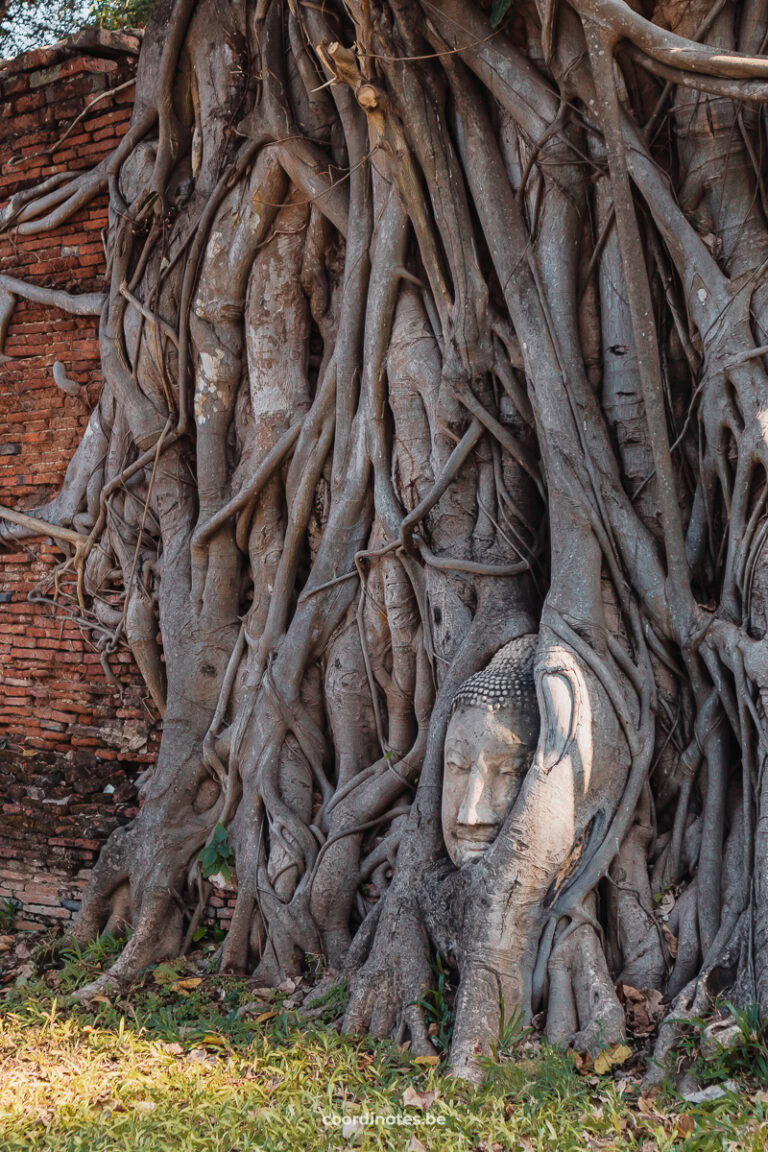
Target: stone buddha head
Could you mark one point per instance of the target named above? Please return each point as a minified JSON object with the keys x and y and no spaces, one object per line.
{"x":489,"y":747}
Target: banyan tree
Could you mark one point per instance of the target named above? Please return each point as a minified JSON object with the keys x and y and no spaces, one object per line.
{"x":427,"y":486}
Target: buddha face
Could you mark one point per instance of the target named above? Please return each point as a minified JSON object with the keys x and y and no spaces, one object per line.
{"x":487,"y":754}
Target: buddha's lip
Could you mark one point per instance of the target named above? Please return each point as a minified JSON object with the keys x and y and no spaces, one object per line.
{"x":481,"y":832}
{"x":476,"y":839}
{"x":466,"y":853}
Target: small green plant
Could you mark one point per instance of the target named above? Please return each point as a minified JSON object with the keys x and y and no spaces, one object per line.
{"x":210,"y":935}
{"x":313,"y":966}
{"x":744,"y":1058}
{"x":217,"y":856}
{"x":79,"y":965}
{"x":512,"y":1032}
{"x":48,"y":950}
{"x":437,"y":1004}
{"x":126,"y":14}
{"x":9,"y":910}
{"x":333,"y":1002}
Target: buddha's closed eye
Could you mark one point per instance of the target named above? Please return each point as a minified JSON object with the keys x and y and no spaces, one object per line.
{"x":459,"y":765}
{"x":509,"y":763}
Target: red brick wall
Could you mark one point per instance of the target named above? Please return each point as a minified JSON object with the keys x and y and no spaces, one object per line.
{"x":70,"y":746}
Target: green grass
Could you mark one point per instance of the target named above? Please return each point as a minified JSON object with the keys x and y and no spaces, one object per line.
{"x":163,"y":1071}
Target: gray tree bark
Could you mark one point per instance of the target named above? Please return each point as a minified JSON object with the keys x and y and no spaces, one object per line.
{"x":422,"y":332}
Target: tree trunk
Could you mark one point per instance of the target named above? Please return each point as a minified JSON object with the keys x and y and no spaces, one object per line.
{"x":427,"y":327}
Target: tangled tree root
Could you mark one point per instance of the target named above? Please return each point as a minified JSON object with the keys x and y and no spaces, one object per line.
{"x":420,"y":334}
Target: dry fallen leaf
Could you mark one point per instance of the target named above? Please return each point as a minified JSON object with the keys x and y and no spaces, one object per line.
{"x":183,"y":986}
{"x":630,"y":994}
{"x":643,"y":1007}
{"x":165,"y":974}
{"x":415,"y":1145}
{"x":666,"y":904}
{"x":582,"y":1062}
{"x":252,"y":1008}
{"x":429,"y":1061}
{"x":414,"y":1099}
{"x":685,"y":1124}
{"x":616,"y":1054}
{"x":671,"y":940}
{"x":713,"y":242}
{"x":214,"y":1041}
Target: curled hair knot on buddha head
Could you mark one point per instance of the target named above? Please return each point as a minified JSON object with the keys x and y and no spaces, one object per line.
{"x":508,"y":678}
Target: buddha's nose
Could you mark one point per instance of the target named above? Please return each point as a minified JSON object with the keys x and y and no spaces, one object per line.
{"x":475,"y":807}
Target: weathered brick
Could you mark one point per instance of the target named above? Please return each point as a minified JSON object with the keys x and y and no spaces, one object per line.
{"x":55,"y":701}
{"x":49,"y":76}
